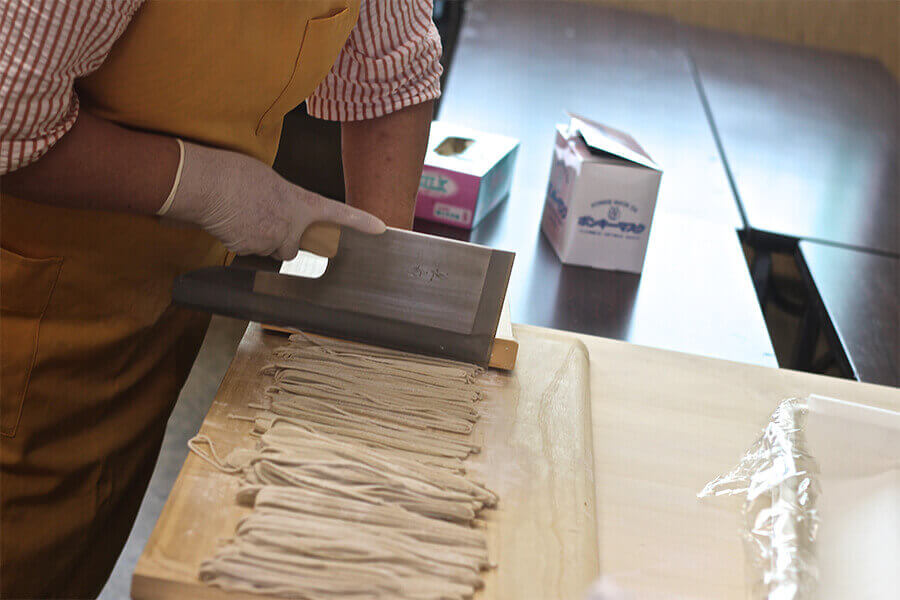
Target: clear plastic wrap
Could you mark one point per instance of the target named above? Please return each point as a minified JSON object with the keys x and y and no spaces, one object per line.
{"x":778,"y":479}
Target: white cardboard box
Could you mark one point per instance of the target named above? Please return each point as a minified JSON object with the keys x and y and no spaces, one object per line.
{"x":600,"y":198}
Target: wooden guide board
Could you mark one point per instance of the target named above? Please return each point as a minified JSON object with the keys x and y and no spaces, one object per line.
{"x":535,"y":433}
{"x":664,"y":423}
{"x":503,"y":352}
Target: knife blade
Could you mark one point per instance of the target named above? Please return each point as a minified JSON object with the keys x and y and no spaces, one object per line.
{"x":401,"y":289}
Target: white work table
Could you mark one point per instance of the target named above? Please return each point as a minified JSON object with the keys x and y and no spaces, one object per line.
{"x":663,"y":424}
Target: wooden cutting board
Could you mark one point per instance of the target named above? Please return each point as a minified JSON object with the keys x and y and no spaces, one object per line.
{"x":503,"y":352}
{"x":664,"y":423}
{"x":537,"y":455}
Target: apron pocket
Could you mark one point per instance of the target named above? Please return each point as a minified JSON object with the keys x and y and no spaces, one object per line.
{"x":26,"y":285}
{"x":323,"y":40}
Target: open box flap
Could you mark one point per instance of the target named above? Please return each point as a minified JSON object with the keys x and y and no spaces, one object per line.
{"x":476,"y":152}
{"x":607,"y":140}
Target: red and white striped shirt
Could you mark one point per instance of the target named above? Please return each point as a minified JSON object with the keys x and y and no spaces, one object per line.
{"x":390,"y":61}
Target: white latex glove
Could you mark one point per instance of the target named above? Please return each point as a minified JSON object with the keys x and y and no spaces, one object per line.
{"x":249,"y":207}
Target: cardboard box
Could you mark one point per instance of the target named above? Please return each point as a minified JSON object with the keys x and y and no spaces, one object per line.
{"x":467,"y":174}
{"x":600,"y":198}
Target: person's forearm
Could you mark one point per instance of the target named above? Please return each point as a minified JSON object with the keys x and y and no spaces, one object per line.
{"x":383,"y":162}
{"x":100,"y":165}
{"x":235,"y":198}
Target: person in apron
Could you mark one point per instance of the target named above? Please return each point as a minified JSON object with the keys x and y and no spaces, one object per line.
{"x":113,"y":112}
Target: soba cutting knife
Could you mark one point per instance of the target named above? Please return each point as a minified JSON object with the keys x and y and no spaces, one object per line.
{"x":400,"y":289}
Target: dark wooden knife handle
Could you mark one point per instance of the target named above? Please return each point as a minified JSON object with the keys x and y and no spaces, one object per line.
{"x":321,"y":238}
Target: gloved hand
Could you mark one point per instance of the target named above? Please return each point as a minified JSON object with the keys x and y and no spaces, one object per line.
{"x":249,"y":207}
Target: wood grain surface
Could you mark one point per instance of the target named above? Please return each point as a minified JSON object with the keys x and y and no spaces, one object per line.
{"x":694,"y":295}
{"x":664,"y":423}
{"x":506,"y":347}
{"x":517,"y":68}
{"x":863,"y":27}
{"x":503,"y":352}
{"x":537,"y":455}
{"x":810,"y":137}
{"x":321,"y":238}
{"x":857,"y":291}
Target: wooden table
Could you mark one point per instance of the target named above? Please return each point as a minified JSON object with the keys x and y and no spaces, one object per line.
{"x":854,"y":296}
{"x":694,"y":295}
{"x":810,"y":137}
{"x":664,"y":423}
{"x":517,"y":68}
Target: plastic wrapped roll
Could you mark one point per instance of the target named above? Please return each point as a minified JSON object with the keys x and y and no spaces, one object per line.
{"x":778,"y":479}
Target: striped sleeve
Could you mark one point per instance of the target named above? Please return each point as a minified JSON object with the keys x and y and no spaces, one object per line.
{"x":390,"y":61}
{"x":44,"y":46}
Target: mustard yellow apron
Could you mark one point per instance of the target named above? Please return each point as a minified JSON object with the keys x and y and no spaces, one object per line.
{"x":93,"y":352}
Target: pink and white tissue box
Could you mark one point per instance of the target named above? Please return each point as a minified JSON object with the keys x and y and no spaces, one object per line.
{"x":467,"y":174}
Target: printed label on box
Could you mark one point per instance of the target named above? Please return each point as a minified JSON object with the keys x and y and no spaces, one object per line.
{"x":452,"y":213}
{"x":436,"y":184}
{"x":619,"y":219}
{"x":558,"y":189}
